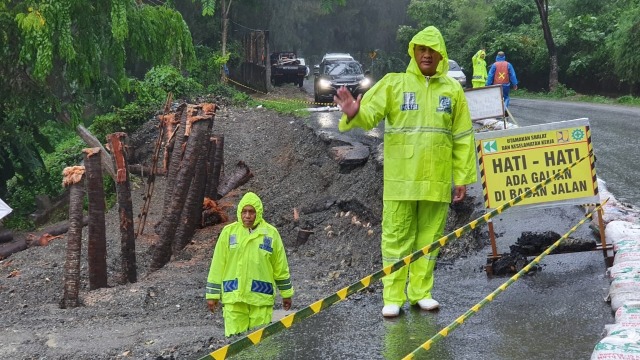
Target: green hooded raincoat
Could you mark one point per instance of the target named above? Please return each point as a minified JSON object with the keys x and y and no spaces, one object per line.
{"x":428,"y":139}
{"x":479,"y":69}
{"x":248,"y":266}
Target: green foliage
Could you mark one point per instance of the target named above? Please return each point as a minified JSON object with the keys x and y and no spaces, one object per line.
{"x":208,"y":7}
{"x":161,"y":80}
{"x":65,"y":60}
{"x":224,"y":90}
{"x":127,"y":119}
{"x":328,"y":6}
{"x":432,"y":12}
{"x":625,"y":44}
{"x":510,"y":14}
{"x":161,"y":37}
{"x":287,"y":107}
{"x":386,"y":63}
{"x":628,"y":100}
{"x":45,"y":180}
{"x":562,"y":91}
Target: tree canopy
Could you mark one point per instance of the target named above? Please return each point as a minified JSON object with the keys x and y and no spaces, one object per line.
{"x":62,"y":60}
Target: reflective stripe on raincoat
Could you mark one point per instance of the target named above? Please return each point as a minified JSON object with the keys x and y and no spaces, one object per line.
{"x":428,"y":140}
{"x":248,"y":267}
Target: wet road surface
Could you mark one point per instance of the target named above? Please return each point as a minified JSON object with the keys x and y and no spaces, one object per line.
{"x":557,"y":312}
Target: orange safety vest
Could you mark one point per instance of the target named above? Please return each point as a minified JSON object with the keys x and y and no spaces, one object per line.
{"x":501,"y":76}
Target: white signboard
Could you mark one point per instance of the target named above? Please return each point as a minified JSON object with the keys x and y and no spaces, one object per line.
{"x":485,"y":102}
{"x":4,"y":209}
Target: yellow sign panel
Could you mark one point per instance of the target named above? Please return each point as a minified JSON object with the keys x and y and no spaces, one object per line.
{"x":512,"y":161}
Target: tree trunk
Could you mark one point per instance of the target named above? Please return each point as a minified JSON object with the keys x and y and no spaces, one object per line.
{"x":218,"y":161}
{"x":125,"y":209}
{"x":41,"y":238}
{"x":74,"y":178}
{"x":225,"y":30}
{"x":105,"y":158}
{"x":97,"y":244}
{"x":543,"y":10}
{"x":163,"y":250}
{"x":192,"y":212}
{"x":6,"y":236}
{"x":151,"y":180}
{"x":142,"y":170}
{"x":175,"y":157}
{"x":241,"y":174}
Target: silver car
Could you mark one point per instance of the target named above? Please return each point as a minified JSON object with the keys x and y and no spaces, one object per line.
{"x":455,"y":71}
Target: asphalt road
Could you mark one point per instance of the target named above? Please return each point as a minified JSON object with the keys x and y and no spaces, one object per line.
{"x":614,"y":132}
{"x":558,"y":312}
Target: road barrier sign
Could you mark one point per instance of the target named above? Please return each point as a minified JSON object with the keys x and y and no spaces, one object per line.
{"x":512,"y":160}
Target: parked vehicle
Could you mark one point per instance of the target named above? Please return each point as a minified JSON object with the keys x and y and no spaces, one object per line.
{"x":456,"y":72}
{"x":336,"y":71}
{"x":286,"y":68}
{"x":337,"y":56}
{"x":303,"y":62}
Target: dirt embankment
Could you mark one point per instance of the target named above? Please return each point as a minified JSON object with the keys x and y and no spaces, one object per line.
{"x":164,"y":314}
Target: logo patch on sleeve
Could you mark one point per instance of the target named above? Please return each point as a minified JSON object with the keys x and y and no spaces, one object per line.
{"x":444,"y":105}
{"x":409,"y":101}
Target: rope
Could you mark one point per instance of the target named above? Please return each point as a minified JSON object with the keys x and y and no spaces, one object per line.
{"x":257,"y":336}
{"x":426,"y":346}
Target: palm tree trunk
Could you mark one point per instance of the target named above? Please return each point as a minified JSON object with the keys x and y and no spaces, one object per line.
{"x":169,"y":225}
{"x":97,"y":244}
{"x":74,"y":178}
{"x":175,"y":157}
{"x":125,"y":209}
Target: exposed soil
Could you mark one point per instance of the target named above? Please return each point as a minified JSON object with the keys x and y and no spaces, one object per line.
{"x":164,"y":314}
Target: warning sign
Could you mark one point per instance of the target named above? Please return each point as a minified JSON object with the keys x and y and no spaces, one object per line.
{"x":512,"y":161}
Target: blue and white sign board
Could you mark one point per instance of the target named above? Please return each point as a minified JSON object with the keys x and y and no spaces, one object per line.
{"x":4,"y":209}
{"x":485,"y":102}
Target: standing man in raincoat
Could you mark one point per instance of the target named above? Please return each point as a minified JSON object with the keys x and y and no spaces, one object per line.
{"x":248,"y":263}
{"x":501,"y":72}
{"x":428,"y":144}
{"x":479,"y":69}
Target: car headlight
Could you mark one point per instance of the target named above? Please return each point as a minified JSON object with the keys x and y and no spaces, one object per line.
{"x":366,"y":82}
{"x":324,"y":83}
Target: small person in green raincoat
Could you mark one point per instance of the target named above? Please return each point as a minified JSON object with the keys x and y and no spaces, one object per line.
{"x":428,"y":154}
{"x":479,"y":69}
{"x":249,"y":262}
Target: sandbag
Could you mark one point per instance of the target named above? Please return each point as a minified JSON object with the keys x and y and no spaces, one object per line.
{"x":620,"y":344}
{"x":624,"y":289}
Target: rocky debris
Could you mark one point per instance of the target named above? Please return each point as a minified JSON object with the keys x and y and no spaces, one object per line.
{"x":163,"y":314}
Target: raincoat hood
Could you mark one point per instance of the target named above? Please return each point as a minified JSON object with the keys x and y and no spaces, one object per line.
{"x":253,"y":200}
{"x":432,"y":38}
{"x":481,"y":53}
{"x":500,"y":57}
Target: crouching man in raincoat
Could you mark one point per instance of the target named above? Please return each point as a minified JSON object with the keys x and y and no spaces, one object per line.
{"x":428,"y":144}
{"x":249,"y":262}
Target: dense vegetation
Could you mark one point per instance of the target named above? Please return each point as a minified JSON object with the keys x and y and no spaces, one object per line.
{"x":109,"y":64}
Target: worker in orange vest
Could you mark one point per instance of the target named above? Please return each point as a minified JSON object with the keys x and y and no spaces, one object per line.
{"x":501,"y":72}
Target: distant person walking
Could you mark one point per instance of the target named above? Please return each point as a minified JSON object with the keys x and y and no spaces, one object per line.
{"x":501,"y":72}
{"x":479,"y":69}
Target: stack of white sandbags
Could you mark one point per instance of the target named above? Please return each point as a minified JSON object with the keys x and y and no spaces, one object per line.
{"x":622,"y":340}
{"x":625,"y":272}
